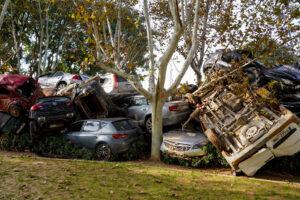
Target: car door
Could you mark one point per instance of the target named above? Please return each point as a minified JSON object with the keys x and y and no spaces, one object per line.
{"x":89,"y":133}
{"x":53,"y":80}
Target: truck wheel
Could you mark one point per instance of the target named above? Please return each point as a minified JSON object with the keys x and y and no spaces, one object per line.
{"x":103,"y":152}
{"x":33,"y":130}
{"x":213,"y":138}
{"x":61,"y":86}
{"x":148,"y":125}
{"x":15,"y":111}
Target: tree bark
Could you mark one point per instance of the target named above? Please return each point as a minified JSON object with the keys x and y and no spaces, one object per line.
{"x":3,"y":12}
{"x":157,"y":127}
{"x":40,"y":40}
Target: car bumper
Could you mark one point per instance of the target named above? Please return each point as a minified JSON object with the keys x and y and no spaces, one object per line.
{"x":182,"y":154}
{"x":175,"y":118}
{"x":122,"y":146}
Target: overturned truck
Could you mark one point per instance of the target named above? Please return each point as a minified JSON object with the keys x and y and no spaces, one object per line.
{"x":243,"y":122}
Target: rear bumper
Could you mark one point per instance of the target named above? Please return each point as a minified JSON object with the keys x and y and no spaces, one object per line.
{"x":122,"y":146}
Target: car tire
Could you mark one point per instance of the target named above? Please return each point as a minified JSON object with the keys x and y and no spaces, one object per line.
{"x":33,"y":130}
{"x":61,"y":86}
{"x":103,"y":152}
{"x":148,"y":125}
{"x":15,"y":110}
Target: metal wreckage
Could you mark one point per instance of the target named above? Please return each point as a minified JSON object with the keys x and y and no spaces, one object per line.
{"x":248,"y":112}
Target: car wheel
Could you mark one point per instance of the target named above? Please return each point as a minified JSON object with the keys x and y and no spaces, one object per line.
{"x":61,"y":86}
{"x":148,"y":125}
{"x":15,"y":111}
{"x":103,"y":152}
{"x":33,"y":130}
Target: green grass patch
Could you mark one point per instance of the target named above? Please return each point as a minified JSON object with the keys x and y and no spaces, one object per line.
{"x":42,"y":178}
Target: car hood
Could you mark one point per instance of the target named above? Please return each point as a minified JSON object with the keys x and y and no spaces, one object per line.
{"x":13,"y":80}
{"x":185,"y":137}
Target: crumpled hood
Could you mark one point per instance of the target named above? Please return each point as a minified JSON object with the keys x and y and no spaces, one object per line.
{"x":13,"y":80}
{"x":185,"y":137}
{"x":284,"y":71}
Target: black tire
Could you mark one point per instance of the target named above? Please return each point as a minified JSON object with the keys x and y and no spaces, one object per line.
{"x":15,"y":111}
{"x":61,"y":85}
{"x":103,"y":152}
{"x":33,"y":130}
{"x":148,"y":125}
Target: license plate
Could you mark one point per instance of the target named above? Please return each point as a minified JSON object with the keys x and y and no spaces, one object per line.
{"x":56,"y":125}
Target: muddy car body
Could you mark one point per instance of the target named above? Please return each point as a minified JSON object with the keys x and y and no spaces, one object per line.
{"x":59,"y":80}
{"x":183,"y":144}
{"x":17,"y":93}
{"x":51,"y":114}
{"x":244,"y":121}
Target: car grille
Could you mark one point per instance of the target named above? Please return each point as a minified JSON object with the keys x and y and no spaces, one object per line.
{"x":177,"y":146}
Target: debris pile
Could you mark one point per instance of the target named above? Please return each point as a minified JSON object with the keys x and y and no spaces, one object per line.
{"x":242,"y":117}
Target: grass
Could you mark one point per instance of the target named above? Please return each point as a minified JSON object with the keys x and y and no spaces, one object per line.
{"x":25,"y":177}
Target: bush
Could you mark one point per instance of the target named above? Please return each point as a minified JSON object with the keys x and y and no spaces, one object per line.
{"x":47,"y":146}
{"x":211,"y":159}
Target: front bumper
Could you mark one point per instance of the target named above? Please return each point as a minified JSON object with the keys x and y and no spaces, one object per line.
{"x":182,"y":154}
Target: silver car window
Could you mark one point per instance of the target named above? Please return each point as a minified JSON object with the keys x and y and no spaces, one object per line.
{"x":140,"y":101}
{"x":91,"y":126}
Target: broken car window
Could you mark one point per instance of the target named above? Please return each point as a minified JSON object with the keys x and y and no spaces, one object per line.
{"x":91,"y":126}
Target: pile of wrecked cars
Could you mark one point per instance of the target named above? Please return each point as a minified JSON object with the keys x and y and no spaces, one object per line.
{"x":243,"y":110}
{"x":88,"y":113}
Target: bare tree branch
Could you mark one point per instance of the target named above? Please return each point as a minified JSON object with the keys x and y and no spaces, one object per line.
{"x":191,"y":53}
{"x":4,"y":9}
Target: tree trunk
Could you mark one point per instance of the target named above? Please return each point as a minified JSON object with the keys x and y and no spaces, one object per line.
{"x":3,"y":12}
{"x":157,"y":128}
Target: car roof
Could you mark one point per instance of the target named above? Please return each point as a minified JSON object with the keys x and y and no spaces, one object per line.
{"x":107,"y":119}
{"x":14,"y":80}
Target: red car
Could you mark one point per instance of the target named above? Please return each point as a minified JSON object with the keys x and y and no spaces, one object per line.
{"x":18,"y":93}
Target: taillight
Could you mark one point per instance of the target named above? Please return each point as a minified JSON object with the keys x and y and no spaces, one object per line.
{"x":36,"y":107}
{"x":115,"y":79}
{"x":173,"y":108}
{"x":76,"y":77}
{"x":119,"y":136}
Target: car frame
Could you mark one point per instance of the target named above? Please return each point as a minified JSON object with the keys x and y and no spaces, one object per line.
{"x":184,"y":144}
{"x":18,"y":93}
{"x":50,"y":114}
{"x":105,"y":137}
{"x":174,"y":112}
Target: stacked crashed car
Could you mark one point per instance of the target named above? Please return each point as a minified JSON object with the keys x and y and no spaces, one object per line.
{"x":105,"y":137}
{"x":184,"y":144}
{"x":59,"y":80}
{"x":17,"y":93}
{"x":51,"y":114}
{"x":140,"y":110}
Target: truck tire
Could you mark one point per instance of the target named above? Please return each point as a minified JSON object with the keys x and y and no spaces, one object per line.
{"x":15,"y":110}
{"x":214,"y":139}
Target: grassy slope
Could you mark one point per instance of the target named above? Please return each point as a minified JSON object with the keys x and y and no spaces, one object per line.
{"x":39,"y":178}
